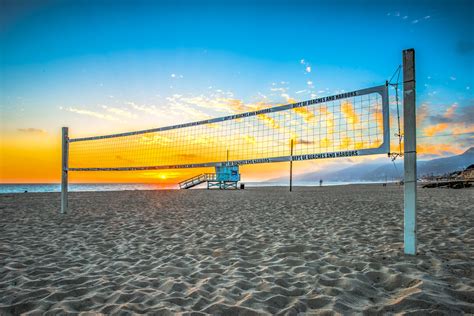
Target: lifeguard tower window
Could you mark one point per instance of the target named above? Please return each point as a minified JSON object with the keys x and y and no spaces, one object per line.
{"x":227,"y":173}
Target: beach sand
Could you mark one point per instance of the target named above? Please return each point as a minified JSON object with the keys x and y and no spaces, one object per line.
{"x":247,"y":252}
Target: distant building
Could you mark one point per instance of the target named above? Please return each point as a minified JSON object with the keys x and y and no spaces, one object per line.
{"x":467,"y":174}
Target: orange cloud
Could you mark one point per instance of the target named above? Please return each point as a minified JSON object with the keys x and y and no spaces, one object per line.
{"x":462,"y":129}
{"x":346,"y":143}
{"x":348,"y":110}
{"x":396,"y":148}
{"x":329,"y":119}
{"x":435,"y":129}
{"x":378,"y":115}
{"x":438,"y":149}
{"x":306,"y":114}
{"x":32,"y":130}
{"x":237,"y":105}
{"x":450,"y":111}
{"x":325,"y":143}
{"x":269,"y":121}
{"x":430,"y":149}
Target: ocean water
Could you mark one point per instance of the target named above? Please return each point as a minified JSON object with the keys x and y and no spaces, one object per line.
{"x":56,"y":187}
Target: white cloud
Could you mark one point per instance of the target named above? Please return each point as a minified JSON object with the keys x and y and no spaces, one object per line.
{"x":278,"y":89}
{"x":307,"y":68}
{"x":98,"y":115}
{"x":175,"y":111}
{"x":452,"y":78}
{"x":188,"y":104}
{"x":262,"y":95}
{"x":286,"y":96}
{"x":191,"y":112}
{"x":222,"y":102}
{"x":405,"y":17}
{"x":149,"y":109}
{"x":119,"y":112}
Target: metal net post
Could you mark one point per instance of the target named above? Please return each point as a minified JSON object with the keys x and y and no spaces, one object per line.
{"x":64,"y":170}
{"x":409,"y":130}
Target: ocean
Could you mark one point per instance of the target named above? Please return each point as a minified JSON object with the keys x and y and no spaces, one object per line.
{"x":56,"y":187}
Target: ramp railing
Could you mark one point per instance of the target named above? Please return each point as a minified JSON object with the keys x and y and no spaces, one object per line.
{"x":196,"y":180}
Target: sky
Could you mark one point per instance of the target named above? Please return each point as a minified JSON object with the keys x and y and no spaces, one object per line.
{"x":101,"y":67}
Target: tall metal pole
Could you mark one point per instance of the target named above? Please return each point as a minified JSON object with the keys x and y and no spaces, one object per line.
{"x":409,"y":131}
{"x":291,"y":165}
{"x":64,"y":170}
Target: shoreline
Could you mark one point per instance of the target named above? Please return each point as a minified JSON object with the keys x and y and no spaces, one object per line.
{"x":247,"y":186}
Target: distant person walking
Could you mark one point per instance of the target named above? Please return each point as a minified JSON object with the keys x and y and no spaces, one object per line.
{"x":321,"y":182}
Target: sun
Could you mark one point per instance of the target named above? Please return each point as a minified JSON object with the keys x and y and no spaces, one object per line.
{"x":162,"y":176}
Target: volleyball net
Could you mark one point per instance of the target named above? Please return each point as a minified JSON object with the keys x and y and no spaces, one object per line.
{"x":348,"y":124}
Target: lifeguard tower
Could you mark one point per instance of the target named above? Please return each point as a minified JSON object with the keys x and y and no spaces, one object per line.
{"x":226,"y":177}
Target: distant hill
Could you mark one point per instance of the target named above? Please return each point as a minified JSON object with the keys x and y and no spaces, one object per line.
{"x":379,"y":171}
{"x":448,"y":164}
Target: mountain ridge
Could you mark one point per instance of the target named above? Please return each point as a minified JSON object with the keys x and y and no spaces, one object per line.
{"x":380,"y":171}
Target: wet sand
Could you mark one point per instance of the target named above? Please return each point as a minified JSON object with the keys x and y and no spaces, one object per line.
{"x":252,"y":252}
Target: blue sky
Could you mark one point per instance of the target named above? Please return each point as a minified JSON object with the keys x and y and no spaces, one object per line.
{"x":105,"y":66}
{"x":347,"y":43}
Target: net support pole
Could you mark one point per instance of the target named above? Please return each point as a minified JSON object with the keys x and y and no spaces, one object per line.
{"x":64,"y":170}
{"x":409,"y":131}
{"x":291,"y":165}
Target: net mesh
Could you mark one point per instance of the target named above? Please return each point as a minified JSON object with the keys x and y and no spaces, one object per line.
{"x":347,"y":124}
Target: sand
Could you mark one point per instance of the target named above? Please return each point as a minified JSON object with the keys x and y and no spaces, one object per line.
{"x":329,"y":250}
